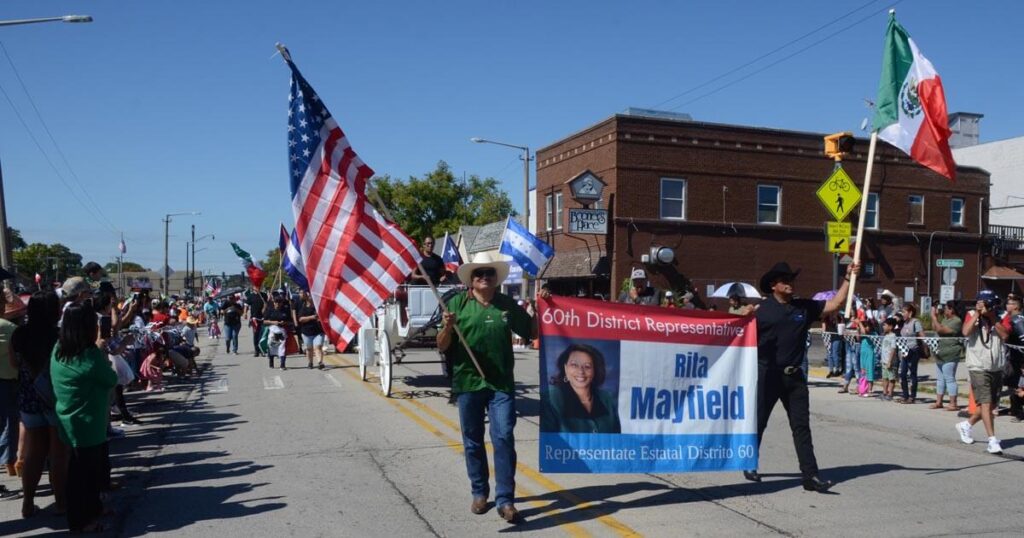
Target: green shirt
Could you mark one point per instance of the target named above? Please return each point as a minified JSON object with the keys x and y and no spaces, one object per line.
{"x":488,"y":329}
{"x":950,"y":347}
{"x":7,"y":371}
{"x":82,"y":386}
{"x":563,"y":412}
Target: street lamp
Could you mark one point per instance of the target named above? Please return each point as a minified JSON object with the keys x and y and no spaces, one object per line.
{"x":526,"y":191}
{"x":5,"y":252}
{"x":167,"y":233}
{"x":192,"y":271}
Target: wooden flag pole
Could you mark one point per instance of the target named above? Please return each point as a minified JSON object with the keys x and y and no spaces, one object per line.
{"x":444,"y":308}
{"x":860,"y":224}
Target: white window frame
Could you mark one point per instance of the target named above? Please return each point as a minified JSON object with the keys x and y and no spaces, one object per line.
{"x":872,"y":208}
{"x":558,"y":211}
{"x":910,"y":212}
{"x":548,"y":208}
{"x":778,"y":204}
{"x":963,"y":206}
{"x":682,"y":200}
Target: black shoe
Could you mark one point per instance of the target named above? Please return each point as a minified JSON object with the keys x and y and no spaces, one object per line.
{"x":829,"y":374}
{"x":813,"y":483}
{"x":752,"y":476}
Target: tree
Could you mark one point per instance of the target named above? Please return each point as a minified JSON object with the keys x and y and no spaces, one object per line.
{"x":54,"y":262}
{"x":14,"y":239}
{"x":439,"y":202}
{"x":128,"y":267}
{"x":270,"y":264}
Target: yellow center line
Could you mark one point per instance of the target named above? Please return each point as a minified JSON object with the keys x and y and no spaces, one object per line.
{"x":620,"y":528}
{"x":571,"y":529}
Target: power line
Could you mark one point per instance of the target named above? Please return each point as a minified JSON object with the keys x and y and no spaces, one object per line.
{"x":765,"y":55}
{"x":784,"y":58}
{"x":56,"y":146}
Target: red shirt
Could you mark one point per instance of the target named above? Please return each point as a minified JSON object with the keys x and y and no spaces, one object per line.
{"x":159,"y":317}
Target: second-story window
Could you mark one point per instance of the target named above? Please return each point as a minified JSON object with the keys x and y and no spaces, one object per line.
{"x":871,"y":213}
{"x":915,"y":202}
{"x":548,"y":209}
{"x":769,"y":204}
{"x":673,"y":198}
{"x":558,"y":211}
{"x":956,"y":213}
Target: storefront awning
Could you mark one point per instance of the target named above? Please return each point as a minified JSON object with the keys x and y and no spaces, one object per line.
{"x":579,"y":263}
{"x":1002,"y":273}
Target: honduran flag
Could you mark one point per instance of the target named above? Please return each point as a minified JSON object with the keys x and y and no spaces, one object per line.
{"x":910,"y":111}
{"x":291,"y":258}
{"x":450,"y":254}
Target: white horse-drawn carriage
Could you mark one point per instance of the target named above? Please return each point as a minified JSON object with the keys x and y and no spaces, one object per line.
{"x":411,"y":315}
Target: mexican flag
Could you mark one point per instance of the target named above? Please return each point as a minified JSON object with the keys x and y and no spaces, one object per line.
{"x":253,"y":269}
{"x":910,"y":112}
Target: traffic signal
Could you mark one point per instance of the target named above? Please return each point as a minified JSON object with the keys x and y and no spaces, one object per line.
{"x":839,"y":144}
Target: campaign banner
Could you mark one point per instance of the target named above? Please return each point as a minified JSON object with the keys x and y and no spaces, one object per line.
{"x":645,"y":389}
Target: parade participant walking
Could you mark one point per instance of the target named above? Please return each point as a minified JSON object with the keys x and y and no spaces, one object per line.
{"x":311,"y":330}
{"x":948,"y":354}
{"x":255,"y":305}
{"x":1014,"y":323}
{"x":782,"y":325}
{"x":82,"y":381}
{"x":232,"y":324}
{"x":277,"y":317}
{"x":487,"y":319}
{"x":212,"y":312}
{"x":985,"y":361}
{"x":432,"y":264}
{"x":639,"y":292}
{"x":9,"y":428}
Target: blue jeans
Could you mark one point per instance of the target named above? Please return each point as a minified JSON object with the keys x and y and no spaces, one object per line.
{"x":908,"y":373}
{"x":852,"y":361}
{"x":231,"y":338}
{"x":9,"y":421}
{"x":501,"y":407}
{"x":945,"y":379}
{"x":835,"y":354}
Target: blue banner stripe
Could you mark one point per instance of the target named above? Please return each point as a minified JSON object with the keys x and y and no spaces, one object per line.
{"x":646,"y":453}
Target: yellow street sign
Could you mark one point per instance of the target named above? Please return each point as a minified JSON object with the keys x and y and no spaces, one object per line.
{"x":837,"y":235}
{"x":838,"y":194}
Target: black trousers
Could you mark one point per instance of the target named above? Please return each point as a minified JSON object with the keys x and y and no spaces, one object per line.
{"x":257,"y":329}
{"x":772,"y":386}
{"x":87,"y":468}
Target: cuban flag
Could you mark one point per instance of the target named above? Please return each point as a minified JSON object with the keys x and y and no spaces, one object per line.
{"x":450,"y":254}
{"x":291,"y":258}
{"x":528,"y":250}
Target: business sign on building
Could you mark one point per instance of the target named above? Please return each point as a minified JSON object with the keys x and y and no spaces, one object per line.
{"x":588,"y":221}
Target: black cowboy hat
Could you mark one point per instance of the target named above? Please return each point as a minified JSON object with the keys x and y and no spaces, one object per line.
{"x":780,"y":269}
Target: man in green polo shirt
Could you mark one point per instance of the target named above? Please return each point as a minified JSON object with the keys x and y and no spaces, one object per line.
{"x":487,"y":319}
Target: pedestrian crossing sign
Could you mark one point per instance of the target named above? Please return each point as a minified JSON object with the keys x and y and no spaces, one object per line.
{"x":838,"y":194}
{"x":837,"y":235}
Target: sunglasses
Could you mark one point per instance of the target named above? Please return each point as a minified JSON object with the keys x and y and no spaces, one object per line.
{"x":484,"y":273}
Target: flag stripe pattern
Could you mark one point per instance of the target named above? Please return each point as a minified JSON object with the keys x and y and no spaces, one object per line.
{"x":354,"y":258}
{"x":910,"y":111}
{"x":528,"y":250}
{"x":291,"y":258}
{"x":450,"y":255}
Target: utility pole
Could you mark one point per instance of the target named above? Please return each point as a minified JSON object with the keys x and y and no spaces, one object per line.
{"x":192,"y":271}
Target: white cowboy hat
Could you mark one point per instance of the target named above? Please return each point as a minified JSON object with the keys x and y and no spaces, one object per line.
{"x":482,"y":259}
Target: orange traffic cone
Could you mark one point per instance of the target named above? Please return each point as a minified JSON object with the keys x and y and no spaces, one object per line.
{"x":972,"y":406}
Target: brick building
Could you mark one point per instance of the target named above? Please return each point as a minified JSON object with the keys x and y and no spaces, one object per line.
{"x":732,"y":200}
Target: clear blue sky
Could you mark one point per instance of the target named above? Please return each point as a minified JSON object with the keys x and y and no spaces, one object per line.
{"x":163,"y":107}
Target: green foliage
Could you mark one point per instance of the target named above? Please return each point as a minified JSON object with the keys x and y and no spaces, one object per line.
{"x":54,"y":262}
{"x":14,"y":239}
{"x":128,"y":267}
{"x":271,"y":264}
{"x":439,"y":202}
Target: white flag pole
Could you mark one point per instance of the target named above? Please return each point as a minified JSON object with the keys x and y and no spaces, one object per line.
{"x":860,"y":224}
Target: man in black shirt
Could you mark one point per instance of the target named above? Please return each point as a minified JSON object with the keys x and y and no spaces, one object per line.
{"x":782,"y":325}
{"x":255,"y":304}
{"x":432,"y":264}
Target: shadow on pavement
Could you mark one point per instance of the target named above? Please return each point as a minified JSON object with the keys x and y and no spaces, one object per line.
{"x":201,"y":503}
{"x":601,"y":497}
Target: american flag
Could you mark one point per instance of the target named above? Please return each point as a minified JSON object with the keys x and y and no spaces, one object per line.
{"x":354,"y":257}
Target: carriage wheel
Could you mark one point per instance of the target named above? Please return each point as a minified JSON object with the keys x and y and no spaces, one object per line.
{"x":384,"y":362}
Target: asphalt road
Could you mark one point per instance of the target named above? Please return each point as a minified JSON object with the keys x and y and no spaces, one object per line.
{"x":250,"y":451}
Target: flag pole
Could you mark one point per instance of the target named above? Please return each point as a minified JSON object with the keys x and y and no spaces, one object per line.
{"x":860,"y":224}
{"x":444,"y":308}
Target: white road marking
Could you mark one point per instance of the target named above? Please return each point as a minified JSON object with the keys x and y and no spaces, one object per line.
{"x":333,"y":380}
{"x":221,"y":386}
{"x":273,"y":384}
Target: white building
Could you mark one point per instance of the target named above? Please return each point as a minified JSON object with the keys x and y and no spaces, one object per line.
{"x":1004,"y":159}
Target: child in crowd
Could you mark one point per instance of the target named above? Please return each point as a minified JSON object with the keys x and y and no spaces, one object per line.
{"x":889,"y":361}
{"x":866,"y":328}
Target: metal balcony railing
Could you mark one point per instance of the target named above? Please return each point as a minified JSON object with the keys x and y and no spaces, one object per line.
{"x":1008,"y":237}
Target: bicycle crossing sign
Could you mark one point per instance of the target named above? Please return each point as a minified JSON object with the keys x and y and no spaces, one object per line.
{"x":838,"y":194}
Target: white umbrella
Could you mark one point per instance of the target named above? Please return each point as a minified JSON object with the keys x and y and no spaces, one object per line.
{"x":737,"y":288}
